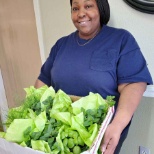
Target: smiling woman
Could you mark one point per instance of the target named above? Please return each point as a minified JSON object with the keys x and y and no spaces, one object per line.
{"x":146,"y":6}
{"x":100,"y":59}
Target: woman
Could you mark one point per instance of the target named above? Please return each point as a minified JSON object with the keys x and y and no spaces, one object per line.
{"x":100,"y":59}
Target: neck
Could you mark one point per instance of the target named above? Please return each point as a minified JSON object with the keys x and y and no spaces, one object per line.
{"x":87,"y":37}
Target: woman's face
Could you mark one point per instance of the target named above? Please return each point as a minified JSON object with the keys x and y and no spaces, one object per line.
{"x":86,"y":18}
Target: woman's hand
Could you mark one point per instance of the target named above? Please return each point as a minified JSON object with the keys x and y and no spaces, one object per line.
{"x":111,"y":139}
{"x":130,"y":96}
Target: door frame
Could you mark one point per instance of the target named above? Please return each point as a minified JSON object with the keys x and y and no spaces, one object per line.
{"x":3,"y":101}
{"x":39,"y":29}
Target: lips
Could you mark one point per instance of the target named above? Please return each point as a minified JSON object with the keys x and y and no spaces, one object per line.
{"x":83,"y":23}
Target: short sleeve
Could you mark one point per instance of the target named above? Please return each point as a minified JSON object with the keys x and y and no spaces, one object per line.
{"x":132,"y":66}
{"x":45,"y":73}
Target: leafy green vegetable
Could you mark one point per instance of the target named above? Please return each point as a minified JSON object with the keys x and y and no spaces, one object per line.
{"x":41,"y":145}
{"x":50,"y":92}
{"x":50,"y":122}
{"x":23,"y":144}
{"x":2,"y":134}
{"x":15,"y":132}
{"x":92,"y":101}
{"x":61,"y":101}
{"x":33,"y":96}
{"x":65,"y":117}
{"x":40,"y":121}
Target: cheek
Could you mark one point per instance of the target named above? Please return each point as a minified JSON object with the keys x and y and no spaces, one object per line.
{"x":73,"y":18}
{"x":96,"y":18}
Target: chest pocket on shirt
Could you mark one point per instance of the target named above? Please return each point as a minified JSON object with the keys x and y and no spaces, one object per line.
{"x":103,"y":60}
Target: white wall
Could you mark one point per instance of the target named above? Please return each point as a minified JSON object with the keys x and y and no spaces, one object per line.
{"x":141,"y":129}
{"x":56,"y":21}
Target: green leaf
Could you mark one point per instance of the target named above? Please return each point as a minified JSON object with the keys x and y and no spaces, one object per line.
{"x":35,"y":135}
{"x":27,"y":131}
{"x":110,"y":100}
{"x":92,"y":101}
{"x":61,"y":101}
{"x":15,"y":132}
{"x":2,"y":134}
{"x":40,"y":121}
{"x":64,"y":117}
{"x":50,"y":92}
{"x":23,"y":144}
{"x":51,"y":140}
{"x":47,"y":97}
{"x":41,"y":146}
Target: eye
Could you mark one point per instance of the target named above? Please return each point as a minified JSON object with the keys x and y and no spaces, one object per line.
{"x":75,"y":9}
{"x":88,"y":6}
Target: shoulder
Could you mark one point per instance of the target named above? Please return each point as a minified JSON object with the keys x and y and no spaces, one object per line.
{"x":118,"y":31}
{"x":65,"y":39}
{"x":61,"y":43}
{"x":123,"y":38}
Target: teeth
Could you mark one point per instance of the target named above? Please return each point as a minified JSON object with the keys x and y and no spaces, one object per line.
{"x":82,"y":22}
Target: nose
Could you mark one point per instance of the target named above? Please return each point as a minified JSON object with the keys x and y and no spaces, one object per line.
{"x":81,"y":13}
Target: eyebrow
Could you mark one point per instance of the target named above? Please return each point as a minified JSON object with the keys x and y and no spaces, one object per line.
{"x":86,"y":0}
{"x":77,"y":2}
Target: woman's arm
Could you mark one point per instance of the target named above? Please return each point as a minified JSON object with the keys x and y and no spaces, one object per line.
{"x":38,"y":83}
{"x":130,"y":96}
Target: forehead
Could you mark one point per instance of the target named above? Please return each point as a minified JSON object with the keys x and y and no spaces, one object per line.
{"x":83,"y":1}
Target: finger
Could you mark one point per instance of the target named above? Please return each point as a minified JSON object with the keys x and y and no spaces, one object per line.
{"x":103,"y":148}
{"x":105,"y":144}
{"x":110,"y":148}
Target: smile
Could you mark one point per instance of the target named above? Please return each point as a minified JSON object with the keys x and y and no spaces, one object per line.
{"x":83,"y":23}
